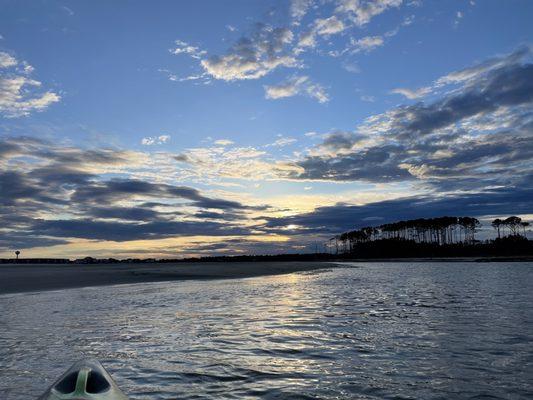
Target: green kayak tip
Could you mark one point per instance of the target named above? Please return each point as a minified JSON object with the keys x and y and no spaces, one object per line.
{"x":85,"y":380}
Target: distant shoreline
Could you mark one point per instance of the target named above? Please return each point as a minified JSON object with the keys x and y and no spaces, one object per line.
{"x":443,"y":259}
{"x":283,"y":258}
{"x":21,"y":278}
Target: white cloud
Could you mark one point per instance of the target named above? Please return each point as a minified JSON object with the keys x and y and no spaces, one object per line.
{"x":307,"y":39}
{"x":321,"y":27}
{"x":365,"y":44}
{"x":317,"y":92}
{"x":329,"y":26}
{"x":7,"y":60}
{"x":174,"y":78}
{"x":298,"y":9}
{"x":253,"y":57}
{"x":18,"y":96}
{"x":352,"y":67}
{"x":185,"y":48}
{"x":153,"y":140}
{"x":288,"y":89}
{"x":361,"y":12}
{"x":368,"y":99}
{"x":412,"y":94}
{"x":458,"y":17}
{"x":189,"y":78}
{"x":68,"y":10}
{"x":408,"y":20}
{"x":213,"y":163}
{"x":268,"y":48}
{"x":223,"y":142}
{"x":234,"y":67}
{"x":295,"y":86}
{"x":26,"y":68}
{"x":282,"y":142}
{"x":472,"y":73}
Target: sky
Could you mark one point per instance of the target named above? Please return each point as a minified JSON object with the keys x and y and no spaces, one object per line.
{"x":173,"y":129}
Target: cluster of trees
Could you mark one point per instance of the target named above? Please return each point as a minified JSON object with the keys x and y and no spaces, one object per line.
{"x":439,"y":231}
{"x":513,"y":224}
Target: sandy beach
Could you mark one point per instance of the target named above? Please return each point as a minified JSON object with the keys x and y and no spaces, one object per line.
{"x":17,"y":278}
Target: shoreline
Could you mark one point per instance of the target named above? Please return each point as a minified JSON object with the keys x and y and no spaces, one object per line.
{"x":442,"y":259}
{"x":22,"y":278}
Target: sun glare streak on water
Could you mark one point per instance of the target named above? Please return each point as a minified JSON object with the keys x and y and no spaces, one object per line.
{"x":370,"y":331}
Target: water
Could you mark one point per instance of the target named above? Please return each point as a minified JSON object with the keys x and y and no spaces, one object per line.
{"x":367,"y":331}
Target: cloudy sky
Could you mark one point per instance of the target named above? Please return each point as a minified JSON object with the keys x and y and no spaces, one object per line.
{"x":212,"y":127}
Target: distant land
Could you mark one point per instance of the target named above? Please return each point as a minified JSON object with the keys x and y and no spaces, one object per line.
{"x":423,"y":238}
{"x":38,"y":277}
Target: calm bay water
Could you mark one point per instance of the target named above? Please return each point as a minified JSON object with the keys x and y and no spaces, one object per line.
{"x":367,"y":331}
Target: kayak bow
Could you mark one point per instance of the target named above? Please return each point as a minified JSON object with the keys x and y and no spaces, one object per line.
{"x":85,"y":380}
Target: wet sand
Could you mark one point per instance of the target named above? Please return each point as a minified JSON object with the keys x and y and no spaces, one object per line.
{"x":18,"y":278}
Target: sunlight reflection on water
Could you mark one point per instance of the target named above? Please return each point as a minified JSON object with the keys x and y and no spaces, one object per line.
{"x":391,"y":330}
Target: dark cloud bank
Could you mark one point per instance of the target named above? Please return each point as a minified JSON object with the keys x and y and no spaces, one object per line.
{"x":475,"y":136}
{"x":342,"y":217}
{"x":48,"y":196}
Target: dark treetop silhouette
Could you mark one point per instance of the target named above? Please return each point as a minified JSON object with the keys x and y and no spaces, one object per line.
{"x":442,"y":236}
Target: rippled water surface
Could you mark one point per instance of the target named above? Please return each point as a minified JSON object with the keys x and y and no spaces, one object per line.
{"x":368,"y":331}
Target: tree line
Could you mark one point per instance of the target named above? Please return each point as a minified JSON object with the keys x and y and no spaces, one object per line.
{"x":439,"y":231}
{"x":513,"y":224}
